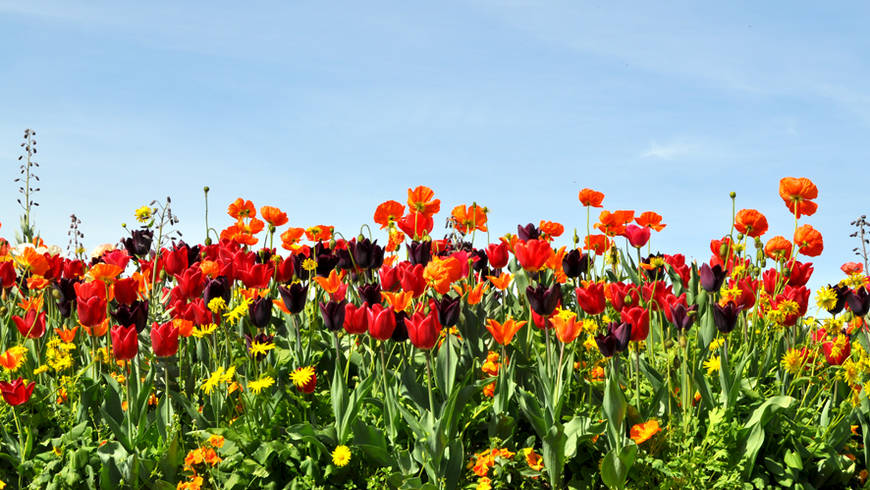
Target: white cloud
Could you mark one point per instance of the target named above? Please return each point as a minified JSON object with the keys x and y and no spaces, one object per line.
{"x":669,"y":151}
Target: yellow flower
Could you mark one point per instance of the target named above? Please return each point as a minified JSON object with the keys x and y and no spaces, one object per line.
{"x":40,"y":369}
{"x":260,"y":348}
{"x":212,"y":380}
{"x":341,"y":456}
{"x":216,"y":441}
{"x":238,"y":312}
{"x":850,"y":372}
{"x":826,"y":298}
{"x":228,"y":375}
{"x":791,"y":361}
{"x":143,"y":214}
{"x":715,"y":344}
{"x":712,"y":365}
{"x":204,"y":330}
{"x":301,"y":376}
{"x":258,"y":385}
{"x":309,"y":264}
{"x":217,"y":305}
{"x":590,"y":343}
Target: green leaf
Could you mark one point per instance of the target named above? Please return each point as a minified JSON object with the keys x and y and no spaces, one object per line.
{"x":553,"y":452}
{"x":616,"y":464}
{"x":614,"y":408}
{"x":445,"y":366}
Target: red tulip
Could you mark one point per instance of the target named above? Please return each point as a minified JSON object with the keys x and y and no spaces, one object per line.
{"x":92,"y":311}
{"x":637,"y":235}
{"x":423,"y":329}
{"x":7,"y":274}
{"x":497,"y":255}
{"x":125,"y":342}
{"x":356,"y":318}
{"x":164,"y":339}
{"x":191,"y":282}
{"x":638,"y":318}
{"x":533,"y":254}
{"x":32,"y":325}
{"x":175,"y":261}
{"x":382,"y":322}
{"x":591,"y":298}
{"x":16,"y":392}
{"x":411,"y":278}
{"x":126,"y":290}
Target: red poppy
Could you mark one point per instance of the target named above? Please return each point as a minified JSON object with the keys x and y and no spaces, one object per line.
{"x":125,"y":342}
{"x":423,"y":329}
{"x":809,"y":241}
{"x":798,"y":194}
{"x":750,"y":222}
{"x":388,"y":211}
{"x":533,"y":254}
{"x":164,"y":339}
{"x":591,"y":198}
{"x":16,"y":392}
{"x":850,"y":268}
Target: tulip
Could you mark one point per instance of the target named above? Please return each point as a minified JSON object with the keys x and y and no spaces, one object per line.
{"x":725,"y":317}
{"x":16,"y":392}
{"x":190,"y":282}
{"x":503,"y":333}
{"x":616,"y":339}
{"x":65,"y":294}
{"x":423,"y":329}
{"x":448,"y":311}
{"x":637,"y":235}
{"x":370,"y":293}
{"x":859,"y":301}
{"x":135,"y":314}
{"x":400,"y":333}
{"x":125,"y":342}
{"x":176,"y":260}
{"x":544,"y":301}
{"x":533,"y":254}
{"x":575,"y":264}
{"x":842,"y":292}
{"x":356,"y":318}
{"x":798,"y":273}
{"x":364,"y":253}
{"x":126,"y":290}
{"x":256,"y":276}
{"x":411,"y":278}
{"x":390,"y":278}
{"x":382,"y":322}
{"x":497,"y":255}
{"x":164,"y":339}
{"x":294,"y":297}
{"x":139,"y":242}
{"x":837,"y":355}
{"x":639,"y":319}
{"x":260,"y":311}
{"x":528,"y":232}
{"x":591,"y":298}
{"x":7,"y":274}
{"x":333,"y":314}
{"x":682,"y":316}
{"x":218,"y":287}
{"x":419,"y":252}
{"x":284,"y":270}
{"x":32,"y":326}
{"x":566,"y":326}
{"x":712,"y":278}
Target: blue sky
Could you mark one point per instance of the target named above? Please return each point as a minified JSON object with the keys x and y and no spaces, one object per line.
{"x":326,"y":110}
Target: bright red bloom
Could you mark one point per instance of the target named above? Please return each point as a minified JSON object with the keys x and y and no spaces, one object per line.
{"x":639,"y":319}
{"x":175,"y":260}
{"x":16,"y":392}
{"x":637,"y":236}
{"x":798,"y":194}
{"x":125,"y":342}
{"x":809,"y":241}
{"x":621,"y":295}
{"x":533,"y":254}
{"x":590,"y":198}
{"x":382,"y":322}
{"x":650,"y":219}
{"x":390,"y":278}
{"x":411,"y":278}
{"x":497,"y":255}
{"x":838,"y":351}
{"x":256,"y":276}
{"x":591,"y":298}
{"x":356,"y":318}
{"x":850,"y":268}
{"x":7,"y":274}
{"x":388,"y":211}
{"x":164,"y":339}
{"x":750,"y":222}
{"x":32,"y":326}
{"x":423,"y":329}
{"x":416,"y":225}
{"x":420,"y":200}
{"x":190,"y":282}
{"x":91,"y":309}
{"x":126,"y":290}
{"x":800,"y":272}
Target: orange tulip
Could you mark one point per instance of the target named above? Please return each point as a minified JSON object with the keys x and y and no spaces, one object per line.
{"x":388,"y":212}
{"x":67,"y":335}
{"x":650,"y":220}
{"x":750,"y":222}
{"x":420,"y":201}
{"x":331,"y":283}
{"x":566,"y":325}
{"x":798,"y":194}
{"x":32,"y":303}
{"x":399,"y":301}
{"x":273,"y":216}
{"x":591,"y":198}
{"x":475,"y":294}
{"x":503,"y":333}
{"x":809,"y":241}
{"x":501,"y":282}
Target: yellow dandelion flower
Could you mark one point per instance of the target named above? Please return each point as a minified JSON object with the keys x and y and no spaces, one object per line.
{"x":217,"y":305}
{"x":341,"y":456}
{"x":712,"y":365}
{"x":143,"y":214}
{"x":716,"y":343}
{"x":204,"y":330}
{"x":258,"y":348}
{"x":212,"y":380}
{"x":792,"y":360}
{"x":41,"y":369}
{"x":826,"y":298}
{"x":260,"y":384}
{"x":309,"y":264}
{"x":302,"y":376}
{"x":228,"y":375}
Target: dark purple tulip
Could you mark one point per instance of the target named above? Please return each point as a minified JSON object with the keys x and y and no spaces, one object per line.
{"x":528,"y":232}
{"x":448,"y":311}
{"x":711,"y":278}
{"x":260,"y":311}
{"x":139,"y":242}
{"x":345,"y":261}
{"x":300,"y":271}
{"x":370,"y":293}
{"x":480,"y":260}
{"x":364,"y":252}
{"x":326,"y":262}
{"x":294,"y":297}
{"x":66,"y":296}
{"x":194,"y":254}
{"x":544,"y":300}
{"x":683,"y":317}
{"x":262,"y":338}
{"x":400,"y":334}
{"x":134,"y":314}
{"x":575,"y":264}
{"x":725,"y":317}
{"x":859,"y":301}
{"x":218,"y":287}
{"x":419,"y":253}
{"x":842,"y":291}
{"x":264,"y":256}
{"x":333,"y":314}
{"x":616,"y":339}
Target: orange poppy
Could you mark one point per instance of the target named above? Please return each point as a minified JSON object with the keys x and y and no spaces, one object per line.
{"x":420,"y":201}
{"x":67,"y":335}
{"x":503,"y":333}
{"x":778,"y":248}
{"x":388,"y":212}
{"x":331,"y":283}
{"x":591,"y":198}
{"x":613,"y":223}
{"x":398,"y":301}
{"x":396,"y":240}
{"x":850,"y":268}
{"x":235,"y":234}
{"x":291,"y":237}
{"x":597,"y":243}
{"x":809,"y":241}
{"x":642,"y":432}
{"x":241,"y":208}
{"x":33,"y":260}
{"x":750,"y":222}
{"x":440,"y":273}
{"x":551,"y":229}
{"x":319,"y":233}
{"x":650,"y":220}
{"x":534,"y":460}
{"x":469,"y":219}
{"x":566,"y":325}
{"x":185,"y":327}
{"x":273,"y":216}
{"x":210,"y":268}
{"x":107,"y":273}
{"x":37,"y":283}
{"x":501,"y":282}
{"x":798,"y":194}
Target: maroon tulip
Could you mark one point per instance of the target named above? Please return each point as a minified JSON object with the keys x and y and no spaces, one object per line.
{"x":32,"y":325}
{"x":16,"y":392}
{"x":423,"y":329}
{"x":7,"y":274}
{"x":164,"y":339}
{"x":125,"y":342}
{"x":382,"y":322}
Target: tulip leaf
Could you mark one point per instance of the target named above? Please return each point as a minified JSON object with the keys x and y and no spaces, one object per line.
{"x":616,"y":464}
{"x":614,"y":408}
{"x":553,"y":452}
{"x":455,"y":463}
{"x":445,"y":366}
{"x":631,"y":269}
{"x":353,"y":406}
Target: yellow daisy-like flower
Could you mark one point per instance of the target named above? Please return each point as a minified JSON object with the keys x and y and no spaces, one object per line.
{"x":791,"y":361}
{"x":826,"y":298}
{"x":309,"y":264}
{"x":143,"y":214}
{"x":40,"y":369}
{"x":341,"y":456}
{"x":712,"y":365}
{"x":238,"y":312}
{"x":212,"y":380}
{"x":589,"y":325}
{"x":228,"y":374}
{"x":260,"y":348}
{"x":590,"y":343}
{"x":204,"y":330}
{"x":217,"y":305}
{"x":715,"y":344}
{"x":301,"y":376}
{"x":260,"y":384}
{"x":851,"y":372}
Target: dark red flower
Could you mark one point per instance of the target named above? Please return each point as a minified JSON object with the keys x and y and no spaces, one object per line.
{"x":423,"y":329}
{"x":16,"y":392}
{"x":382,"y":322}
{"x":32,"y":326}
{"x":191,"y":282}
{"x":164,"y":339}
{"x":356,"y":318}
{"x":638,"y":318}
{"x":175,"y":260}
{"x":591,"y":298}
{"x":497,"y":255}
{"x":411,"y":278}
{"x":7,"y":274}
{"x":125,"y":342}
{"x":126,"y":290}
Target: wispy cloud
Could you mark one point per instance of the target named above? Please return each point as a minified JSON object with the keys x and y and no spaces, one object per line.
{"x":669,"y":151}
